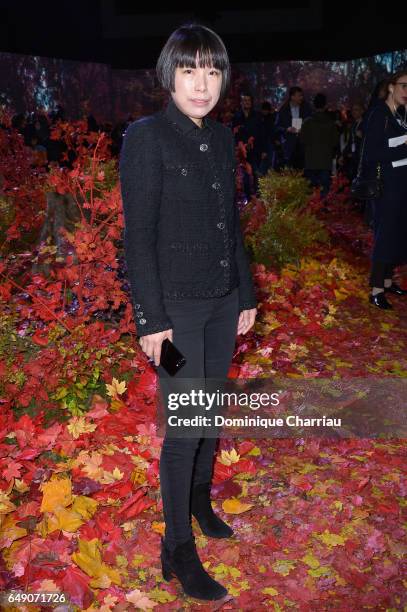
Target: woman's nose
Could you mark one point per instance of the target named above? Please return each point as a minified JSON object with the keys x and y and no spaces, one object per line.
{"x":200,"y":83}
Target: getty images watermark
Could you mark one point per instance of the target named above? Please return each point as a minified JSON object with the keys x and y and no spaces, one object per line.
{"x":282,"y":407}
{"x":210,"y":401}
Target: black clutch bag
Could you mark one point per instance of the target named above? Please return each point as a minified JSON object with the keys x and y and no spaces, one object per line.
{"x":367,"y":188}
{"x":171,"y":358}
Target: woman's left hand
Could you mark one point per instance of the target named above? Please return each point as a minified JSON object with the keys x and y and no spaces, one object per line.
{"x":246,"y":320}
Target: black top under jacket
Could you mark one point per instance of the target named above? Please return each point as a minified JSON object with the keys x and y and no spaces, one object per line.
{"x":182,"y":235}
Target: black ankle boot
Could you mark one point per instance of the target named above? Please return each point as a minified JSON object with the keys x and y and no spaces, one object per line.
{"x":380,"y":301}
{"x":395,"y":288}
{"x":185,"y":564}
{"x":202,"y":510}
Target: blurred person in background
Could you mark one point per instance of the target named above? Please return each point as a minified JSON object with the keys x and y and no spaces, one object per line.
{"x":319,"y":136}
{"x":288,"y":124}
{"x":247,"y":125}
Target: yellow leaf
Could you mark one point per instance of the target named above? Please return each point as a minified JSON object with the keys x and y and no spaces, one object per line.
{"x":85,"y":506}
{"x":340,"y":295}
{"x":138,"y":476}
{"x":6,"y":505}
{"x":116,"y":388}
{"x":229,"y":457}
{"x":310,"y":560}
{"x":110,"y":477}
{"x":20,"y":486}
{"x":158,"y":527}
{"x":118,"y":475}
{"x":235,"y":506}
{"x":42,"y":527}
{"x":140,"y":600}
{"x":331,"y":539}
{"x":56,"y":492}
{"x":88,"y":558}
{"x":270,"y":591}
{"x":92,"y":466}
{"x":101,"y":582}
{"x":319,"y":571}
{"x":10,"y":531}
{"x":78,"y":425}
{"x":108,"y":602}
{"x":221,"y":570}
{"x":116,"y":404}
{"x":161,"y":595}
{"x":308,"y":468}
{"x":283,"y":566}
{"x":138,"y":560}
{"x":67,"y":520}
{"x":121,"y":561}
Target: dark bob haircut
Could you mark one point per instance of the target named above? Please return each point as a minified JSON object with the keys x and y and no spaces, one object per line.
{"x":180,"y":51}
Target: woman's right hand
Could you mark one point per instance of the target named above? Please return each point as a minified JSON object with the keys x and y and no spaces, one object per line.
{"x":151,"y":344}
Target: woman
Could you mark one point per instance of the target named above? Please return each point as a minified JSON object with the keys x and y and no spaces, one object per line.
{"x":390,"y":211}
{"x":188,"y":269}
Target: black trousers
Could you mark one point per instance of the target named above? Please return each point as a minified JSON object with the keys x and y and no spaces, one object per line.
{"x":204,"y":330}
{"x":379,"y":271}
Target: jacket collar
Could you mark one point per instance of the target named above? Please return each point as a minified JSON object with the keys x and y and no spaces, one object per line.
{"x":184,"y":123}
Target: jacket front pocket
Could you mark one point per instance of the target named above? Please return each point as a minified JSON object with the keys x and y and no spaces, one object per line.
{"x":189,"y":260}
{"x":183,"y":180}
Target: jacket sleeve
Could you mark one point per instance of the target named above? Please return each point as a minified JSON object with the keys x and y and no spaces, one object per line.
{"x":247,"y":294}
{"x":140,"y":183}
{"x":282,"y":122}
{"x":376,"y":148}
{"x":304,"y":132}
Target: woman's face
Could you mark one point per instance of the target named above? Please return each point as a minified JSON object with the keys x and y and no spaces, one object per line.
{"x":197,"y":90}
{"x":357,"y":112}
{"x":398,"y":91}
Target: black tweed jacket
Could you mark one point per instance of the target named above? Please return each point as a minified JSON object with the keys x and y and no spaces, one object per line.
{"x":182,"y":234}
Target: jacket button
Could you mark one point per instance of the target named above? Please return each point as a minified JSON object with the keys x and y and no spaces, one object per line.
{"x":139,"y":314}
{"x":220,"y":225}
{"x":184,"y":171}
{"x":216,"y":185}
{"x":224,"y":262}
{"x":203,"y":147}
{"x":136,"y":306}
{"x":142,"y":321}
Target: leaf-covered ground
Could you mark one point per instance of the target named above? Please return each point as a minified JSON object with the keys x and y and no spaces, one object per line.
{"x":319,"y":523}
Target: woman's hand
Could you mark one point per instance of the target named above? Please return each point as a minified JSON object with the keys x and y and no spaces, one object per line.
{"x":151,"y":344}
{"x":246,"y":320}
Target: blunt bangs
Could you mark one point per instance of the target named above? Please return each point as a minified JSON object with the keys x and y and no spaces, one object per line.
{"x":180,"y":51}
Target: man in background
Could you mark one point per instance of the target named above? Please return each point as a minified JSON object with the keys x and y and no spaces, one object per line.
{"x":268,"y":118}
{"x":248,"y":128}
{"x":319,"y":137}
{"x":287,"y":127}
